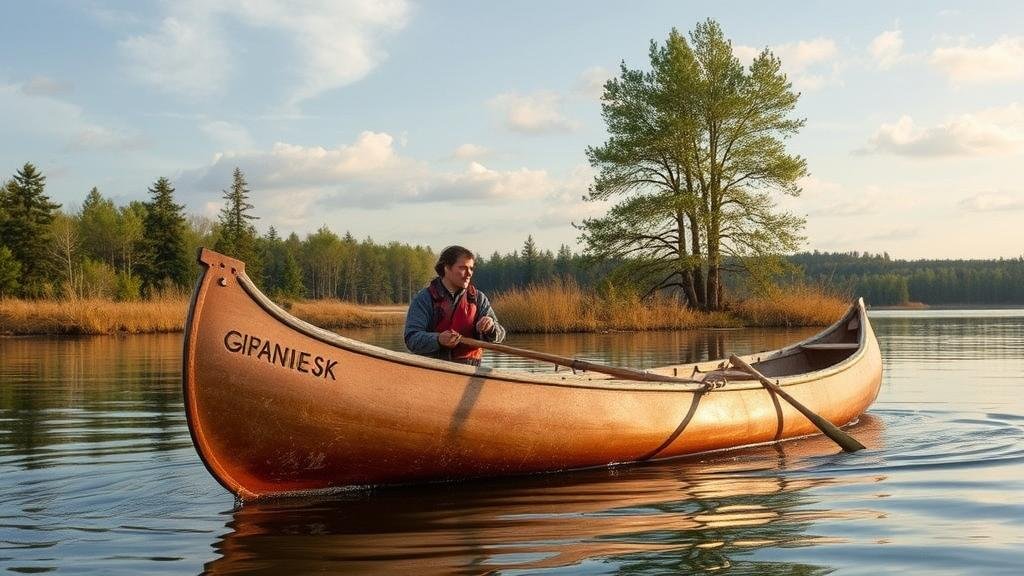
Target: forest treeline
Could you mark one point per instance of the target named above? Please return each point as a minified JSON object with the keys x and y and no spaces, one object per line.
{"x":883,"y":281}
{"x":144,"y":249}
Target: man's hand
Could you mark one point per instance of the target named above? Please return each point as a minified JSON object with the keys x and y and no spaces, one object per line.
{"x":449,"y":338}
{"x":485,"y":325}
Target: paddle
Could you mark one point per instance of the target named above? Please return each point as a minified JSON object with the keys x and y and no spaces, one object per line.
{"x":845,"y":441}
{"x":627,"y":373}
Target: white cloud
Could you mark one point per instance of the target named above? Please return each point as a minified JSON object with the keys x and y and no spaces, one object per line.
{"x":25,"y":112}
{"x":227,"y":135}
{"x":96,"y":138}
{"x":470,"y":152}
{"x":809,"y":64}
{"x":993,"y":202}
{"x":45,"y":86}
{"x":591,"y":81}
{"x":186,"y":56}
{"x":887,"y":49}
{"x":334,"y":43}
{"x":300,"y":182}
{"x":746,"y":54}
{"x":1002,"y":61}
{"x":996,"y":131}
{"x":535,"y":113}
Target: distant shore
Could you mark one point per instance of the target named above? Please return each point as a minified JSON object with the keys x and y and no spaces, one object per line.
{"x":545,"y":309}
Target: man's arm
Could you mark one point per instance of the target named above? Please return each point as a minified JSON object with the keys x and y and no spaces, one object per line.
{"x":483,"y":308}
{"x":418,"y":339}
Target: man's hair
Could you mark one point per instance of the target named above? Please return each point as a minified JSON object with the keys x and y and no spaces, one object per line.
{"x":449,"y":256}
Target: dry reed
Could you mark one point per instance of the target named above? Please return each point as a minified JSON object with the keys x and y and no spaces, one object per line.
{"x":92,"y":316}
{"x":555,"y":307}
{"x":164,"y":314}
{"x":339,"y":314}
{"x":799,"y":305}
{"x":562,"y":306}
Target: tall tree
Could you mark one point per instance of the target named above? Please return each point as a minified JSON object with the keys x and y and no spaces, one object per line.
{"x":99,"y":230}
{"x":163,"y":262}
{"x":282,"y":276}
{"x":66,"y":253}
{"x":530,"y":257}
{"x":696,"y":151}
{"x":237,"y":234}
{"x":28,"y":213}
{"x":130,"y":227}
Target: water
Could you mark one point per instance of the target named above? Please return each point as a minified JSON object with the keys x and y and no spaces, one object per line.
{"x":98,"y":476}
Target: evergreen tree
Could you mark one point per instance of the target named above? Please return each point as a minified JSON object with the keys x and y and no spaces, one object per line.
{"x":163,"y":261}
{"x":28,"y":213}
{"x":530,"y":264}
{"x":282,"y":276}
{"x":237,"y":234}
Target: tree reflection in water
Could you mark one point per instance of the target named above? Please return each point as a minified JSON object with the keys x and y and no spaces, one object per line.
{"x":680,"y":516}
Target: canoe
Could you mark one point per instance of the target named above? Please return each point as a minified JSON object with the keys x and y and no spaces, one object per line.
{"x":279,"y":407}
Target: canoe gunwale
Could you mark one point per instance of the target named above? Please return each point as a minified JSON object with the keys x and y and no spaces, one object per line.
{"x":356,"y":346}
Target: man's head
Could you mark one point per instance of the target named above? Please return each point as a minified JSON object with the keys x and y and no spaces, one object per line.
{"x":455,"y":267}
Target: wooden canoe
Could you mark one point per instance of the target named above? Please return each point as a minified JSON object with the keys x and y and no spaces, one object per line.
{"x":277,"y":407}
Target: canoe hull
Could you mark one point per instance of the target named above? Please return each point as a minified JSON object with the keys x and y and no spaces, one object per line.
{"x":279,"y":407}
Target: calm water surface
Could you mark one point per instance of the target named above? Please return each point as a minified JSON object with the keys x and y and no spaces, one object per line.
{"x":98,"y":476}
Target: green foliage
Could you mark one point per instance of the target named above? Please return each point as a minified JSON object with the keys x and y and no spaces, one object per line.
{"x":883,"y":281}
{"x":130,"y":227}
{"x":99,"y":279}
{"x":238,"y":237}
{"x":99,"y":230}
{"x":696,"y":153}
{"x":129,"y":287}
{"x":282,"y":276}
{"x":27,"y":214}
{"x":163,"y":264}
{"x":10,"y":272}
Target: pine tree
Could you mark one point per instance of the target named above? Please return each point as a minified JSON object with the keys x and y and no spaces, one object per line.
{"x":530,"y":263}
{"x":237,"y":234}
{"x":163,"y":262}
{"x":28,"y":213}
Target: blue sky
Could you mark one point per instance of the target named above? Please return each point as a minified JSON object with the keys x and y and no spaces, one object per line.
{"x":466,"y":122}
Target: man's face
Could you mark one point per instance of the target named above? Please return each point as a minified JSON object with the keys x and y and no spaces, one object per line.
{"x":457,"y":275}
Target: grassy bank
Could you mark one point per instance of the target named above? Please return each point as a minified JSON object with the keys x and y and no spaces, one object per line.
{"x":550,"y":308}
{"x":560,"y":307}
{"x":100,"y":316}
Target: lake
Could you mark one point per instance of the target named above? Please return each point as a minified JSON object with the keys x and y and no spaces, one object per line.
{"x":99,"y":476}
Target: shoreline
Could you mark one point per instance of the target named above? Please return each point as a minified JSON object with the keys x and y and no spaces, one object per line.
{"x":85,"y":317}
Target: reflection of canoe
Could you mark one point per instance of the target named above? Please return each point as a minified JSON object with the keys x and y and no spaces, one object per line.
{"x":693,"y":515}
{"x":277,"y":406}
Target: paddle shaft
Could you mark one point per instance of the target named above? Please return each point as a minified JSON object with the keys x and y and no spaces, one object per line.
{"x":625,"y":373}
{"x":845,"y":441}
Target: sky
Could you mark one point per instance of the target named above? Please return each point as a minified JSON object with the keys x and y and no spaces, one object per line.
{"x":446,"y":122}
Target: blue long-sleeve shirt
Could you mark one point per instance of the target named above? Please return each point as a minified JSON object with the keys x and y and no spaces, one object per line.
{"x":419,"y":337}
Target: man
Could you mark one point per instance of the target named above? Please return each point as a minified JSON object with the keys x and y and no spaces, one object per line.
{"x":450,"y":308}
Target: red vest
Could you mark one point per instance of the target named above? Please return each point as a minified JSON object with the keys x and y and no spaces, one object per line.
{"x":462,"y":319}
